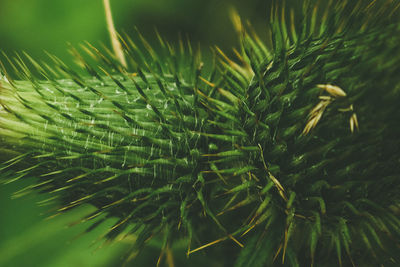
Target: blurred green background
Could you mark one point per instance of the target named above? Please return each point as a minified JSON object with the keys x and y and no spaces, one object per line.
{"x":38,"y":25}
{"x":26,"y":239}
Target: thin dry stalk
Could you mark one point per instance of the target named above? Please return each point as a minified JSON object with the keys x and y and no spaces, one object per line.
{"x":119,"y":53}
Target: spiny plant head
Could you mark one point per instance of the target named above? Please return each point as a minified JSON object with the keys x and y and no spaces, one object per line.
{"x":290,"y":151}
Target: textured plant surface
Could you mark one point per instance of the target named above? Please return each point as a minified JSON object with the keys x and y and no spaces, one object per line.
{"x":287,"y":156}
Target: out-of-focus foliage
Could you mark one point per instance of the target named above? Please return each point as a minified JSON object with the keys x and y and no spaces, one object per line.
{"x":34,"y":26}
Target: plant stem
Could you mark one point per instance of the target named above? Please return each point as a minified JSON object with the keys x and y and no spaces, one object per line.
{"x":113,"y":34}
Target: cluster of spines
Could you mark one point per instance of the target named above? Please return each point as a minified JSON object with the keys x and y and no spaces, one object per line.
{"x":228,"y":142}
{"x":297,"y":69}
{"x":86,"y":134}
